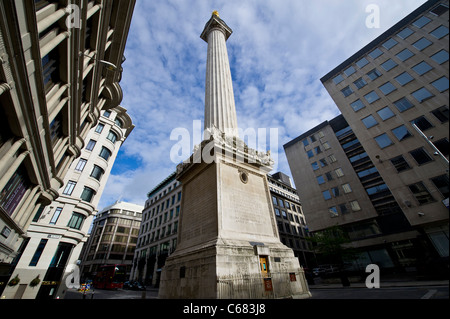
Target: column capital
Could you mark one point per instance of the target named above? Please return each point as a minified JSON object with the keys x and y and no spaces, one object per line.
{"x":216,"y":23}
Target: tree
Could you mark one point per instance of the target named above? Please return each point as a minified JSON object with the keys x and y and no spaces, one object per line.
{"x":332,"y":247}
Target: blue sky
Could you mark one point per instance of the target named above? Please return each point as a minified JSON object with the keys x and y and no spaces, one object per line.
{"x":278,"y":52}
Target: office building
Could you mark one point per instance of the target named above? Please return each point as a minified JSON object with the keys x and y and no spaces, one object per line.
{"x":380,"y":169}
{"x":55,"y":79}
{"x":159,"y":231}
{"x":291,"y":222}
{"x":113,"y":238}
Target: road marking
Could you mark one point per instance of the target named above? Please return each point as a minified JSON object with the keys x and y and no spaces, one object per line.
{"x":429,"y":294}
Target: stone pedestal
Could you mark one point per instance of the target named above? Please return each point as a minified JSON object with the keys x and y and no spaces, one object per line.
{"x":228,"y":243}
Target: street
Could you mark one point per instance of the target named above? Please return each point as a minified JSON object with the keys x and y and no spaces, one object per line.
{"x":150,"y":293}
{"x":419,"y":292}
{"x":414,"y":292}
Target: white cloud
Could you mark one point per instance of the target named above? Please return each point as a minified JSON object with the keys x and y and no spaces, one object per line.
{"x":278,"y":52}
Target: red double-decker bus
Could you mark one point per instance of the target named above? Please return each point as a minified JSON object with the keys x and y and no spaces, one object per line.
{"x":110,"y":277}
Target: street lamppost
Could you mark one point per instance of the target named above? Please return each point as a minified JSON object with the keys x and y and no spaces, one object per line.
{"x":428,"y":139}
{"x":110,"y":66}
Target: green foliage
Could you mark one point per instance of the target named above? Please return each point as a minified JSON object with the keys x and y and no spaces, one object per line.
{"x":331,"y":245}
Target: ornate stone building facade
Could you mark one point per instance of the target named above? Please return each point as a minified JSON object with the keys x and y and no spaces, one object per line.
{"x":54,"y":81}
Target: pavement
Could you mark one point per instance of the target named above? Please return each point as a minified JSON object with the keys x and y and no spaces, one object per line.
{"x":388,"y":282}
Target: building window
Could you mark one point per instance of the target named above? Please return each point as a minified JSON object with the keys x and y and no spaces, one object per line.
{"x":338,"y":79}
{"x":69,"y":188}
{"x":389,"y":44}
{"x":81,"y":164}
{"x":441,"y":84}
{"x":339,"y":172}
{"x":318,"y":150}
{"x":329,"y":176}
{"x":91,"y":145}
{"x":387,"y":88}
{"x":422,"y":123}
{"x":283,"y":213}
{"x":99,"y":128}
{"x":274,"y":200}
{"x":361,"y":63}
{"x":375,"y":53}
{"x":347,"y":91}
{"x":277,"y":212}
{"x":14,"y":190}
{"x":112,"y":136}
{"x":360,"y":83}
{"x":403,"y":104}
{"x":347,"y":189}
{"x":280,"y":202}
{"x":76,"y":221}
{"x":310,"y":153}
{"x":315,"y":166}
{"x":439,"y":32}
{"x":355,"y":206}
{"x":421,"y":22}
{"x":335,"y":191}
{"x":440,"y":57}
{"x":50,"y":69}
{"x":383,"y":140}
{"x":332,"y":158}
{"x":442,"y":184}
{"x":406,"y":32}
{"x":403,"y":78}
{"x":371,"y":97}
{"x":349,"y":71}
{"x":97,"y":172}
{"x":438,"y":11}
{"x":56,"y":216}
{"x":107,"y":114}
{"x":441,"y":114}
{"x":389,"y":65}
{"x":333,"y":212}
{"x":105,"y":153}
{"x":401,"y":133}
{"x":373,"y":74}
{"x":400,"y":164}
{"x":421,"y":193}
{"x":422,"y":44}
{"x":326,"y":195}
{"x":357,"y":105}
{"x":422,"y":68}
{"x":323,"y":162}
{"x":88,"y":194}
{"x":421,"y":94}
{"x":369,"y":121}
{"x":343,"y":208}
{"x":442,"y":146}
{"x":118,"y":122}
{"x":421,"y":156}
{"x":305,"y":142}
{"x":385,"y":113}
{"x":38,"y":252}
{"x":404,"y":55}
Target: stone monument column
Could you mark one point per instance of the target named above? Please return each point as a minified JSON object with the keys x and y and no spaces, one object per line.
{"x":220,"y":110}
{"x":228,"y":243}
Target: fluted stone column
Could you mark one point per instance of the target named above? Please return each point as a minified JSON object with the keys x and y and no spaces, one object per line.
{"x":220,"y":110}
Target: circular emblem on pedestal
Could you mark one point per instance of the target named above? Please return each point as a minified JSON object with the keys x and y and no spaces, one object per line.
{"x":244,"y":177}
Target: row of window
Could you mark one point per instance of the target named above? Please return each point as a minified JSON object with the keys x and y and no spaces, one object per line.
{"x":420,"y":45}
{"x":164,"y":205}
{"x":158,"y":234}
{"x":289,"y":216}
{"x":163,"y":218}
{"x":282,"y":203}
{"x":344,"y":208}
{"x":291,"y":229}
